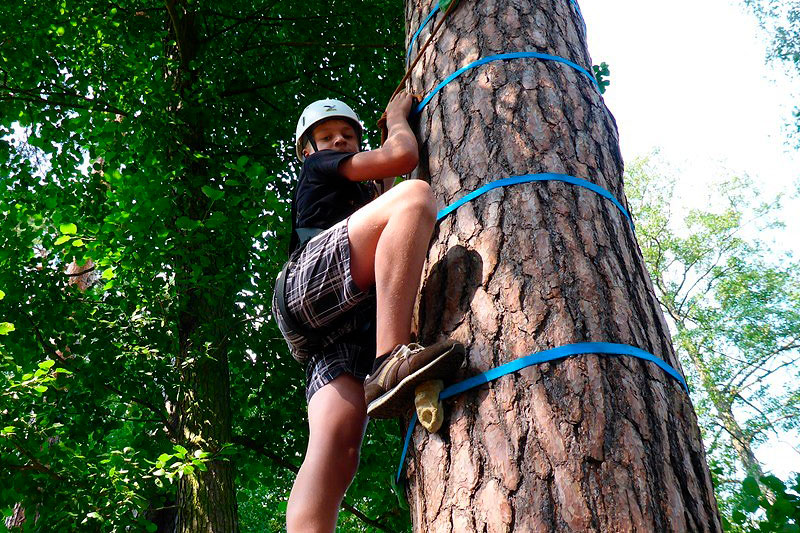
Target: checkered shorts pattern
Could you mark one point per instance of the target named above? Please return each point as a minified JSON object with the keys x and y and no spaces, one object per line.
{"x":322,"y":296}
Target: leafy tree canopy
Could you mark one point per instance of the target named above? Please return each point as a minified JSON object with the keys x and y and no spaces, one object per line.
{"x":147,"y":151}
{"x":734,"y":303}
{"x":781,"y":20}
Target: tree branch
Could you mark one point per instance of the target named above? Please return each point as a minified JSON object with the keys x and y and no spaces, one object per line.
{"x":737,"y":382}
{"x":65,"y":362}
{"x":254,"y":88}
{"x":107,"y":108}
{"x":35,"y":463}
{"x":387,"y":46}
{"x":81,"y":273}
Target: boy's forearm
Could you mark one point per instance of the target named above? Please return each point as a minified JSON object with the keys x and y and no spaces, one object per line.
{"x":401,"y":140}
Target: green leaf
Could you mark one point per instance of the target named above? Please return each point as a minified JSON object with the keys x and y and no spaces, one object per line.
{"x":6,"y":328}
{"x":241,"y":162}
{"x":44,"y":365}
{"x":40,"y":388}
{"x":216,"y":220}
{"x":214,"y":194}
{"x":2,"y":295}
{"x":181,"y":451}
{"x":108,"y":273}
{"x":62,"y":240}
{"x":750,"y":487}
{"x":68,"y":229}
{"x":77,"y":243}
{"x":186,"y":223}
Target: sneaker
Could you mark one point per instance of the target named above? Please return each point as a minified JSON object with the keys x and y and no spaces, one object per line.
{"x":389,"y":389}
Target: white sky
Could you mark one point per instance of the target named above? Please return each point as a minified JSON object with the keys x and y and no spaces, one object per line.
{"x":690,"y":78}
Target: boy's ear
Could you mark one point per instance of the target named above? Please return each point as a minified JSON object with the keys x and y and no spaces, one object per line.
{"x":309,"y":147}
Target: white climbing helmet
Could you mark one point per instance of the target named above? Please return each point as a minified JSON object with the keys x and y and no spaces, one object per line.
{"x":323,"y":110}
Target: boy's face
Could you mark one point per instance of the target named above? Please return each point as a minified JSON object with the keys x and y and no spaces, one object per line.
{"x":333,"y":134}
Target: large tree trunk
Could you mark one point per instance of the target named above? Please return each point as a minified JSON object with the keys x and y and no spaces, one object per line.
{"x":591,"y":443}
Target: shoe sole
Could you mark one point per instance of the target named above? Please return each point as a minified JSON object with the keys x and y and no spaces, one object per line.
{"x":395,"y":402}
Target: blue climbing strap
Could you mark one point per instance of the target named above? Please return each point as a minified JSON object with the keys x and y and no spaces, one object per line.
{"x":526,"y":178}
{"x":503,"y":57}
{"x":580,"y":15}
{"x":553,"y":354}
{"x":436,"y":10}
{"x":416,"y":34}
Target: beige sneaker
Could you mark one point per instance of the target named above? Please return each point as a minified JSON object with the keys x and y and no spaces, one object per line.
{"x":389,"y":390}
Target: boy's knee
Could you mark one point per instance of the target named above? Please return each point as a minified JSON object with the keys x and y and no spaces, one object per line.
{"x":418,"y":195}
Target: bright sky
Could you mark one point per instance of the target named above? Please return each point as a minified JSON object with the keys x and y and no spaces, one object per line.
{"x":689,"y":78}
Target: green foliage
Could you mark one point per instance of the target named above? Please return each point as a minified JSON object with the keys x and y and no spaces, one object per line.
{"x":775,"y":508}
{"x":734,"y":304}
{"x":781,"y":20}
{"x":601,"y":74}
{"x":161,"y":168}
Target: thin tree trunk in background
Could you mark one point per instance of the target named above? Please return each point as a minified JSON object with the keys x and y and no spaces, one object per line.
{"x":591,"y":443}
{"x":741,"y":441}
{"x":206,"y":500}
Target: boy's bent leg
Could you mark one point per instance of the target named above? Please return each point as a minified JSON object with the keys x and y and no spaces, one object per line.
{"x":337,"y":418}
{"x":389,"y":240}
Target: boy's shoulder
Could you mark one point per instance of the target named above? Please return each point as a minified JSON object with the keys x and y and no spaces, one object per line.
{"x":325,"y":162}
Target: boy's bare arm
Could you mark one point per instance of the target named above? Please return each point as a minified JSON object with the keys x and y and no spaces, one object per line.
{"x":399,"y":154}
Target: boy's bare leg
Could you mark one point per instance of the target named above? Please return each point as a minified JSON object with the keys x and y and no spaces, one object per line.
{"x":337,"y":418}
{"x":389,"y":240}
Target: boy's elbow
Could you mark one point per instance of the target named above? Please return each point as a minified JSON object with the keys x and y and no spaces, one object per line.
{"x":408,"y":161}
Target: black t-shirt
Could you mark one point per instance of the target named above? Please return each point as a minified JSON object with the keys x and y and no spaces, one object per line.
{"x":323,"y":196}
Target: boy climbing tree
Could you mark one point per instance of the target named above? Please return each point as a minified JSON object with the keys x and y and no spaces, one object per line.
{"x":345,"y":298}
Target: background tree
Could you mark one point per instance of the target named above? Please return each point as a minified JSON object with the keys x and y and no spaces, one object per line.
{"x":589,"y":443}
{"x":733,"y":300}
{"x":154,"y":139}
{"x":781,"y":20}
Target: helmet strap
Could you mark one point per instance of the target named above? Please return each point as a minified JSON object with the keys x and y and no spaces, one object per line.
{"x":309,"y":138}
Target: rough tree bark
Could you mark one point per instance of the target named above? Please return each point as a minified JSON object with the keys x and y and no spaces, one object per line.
{"x":591,"y":443}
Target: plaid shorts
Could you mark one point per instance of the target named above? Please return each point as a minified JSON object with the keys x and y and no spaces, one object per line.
{"x":322,"y":297}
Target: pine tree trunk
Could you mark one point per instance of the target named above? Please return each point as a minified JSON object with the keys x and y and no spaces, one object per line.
{"x":590,"y":443}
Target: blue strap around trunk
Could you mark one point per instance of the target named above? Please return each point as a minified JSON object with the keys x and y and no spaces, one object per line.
{"x":569,"y":350}
{"x":503,"y":57}
{"x":526,"y":178}
{"x":416,"y":34}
